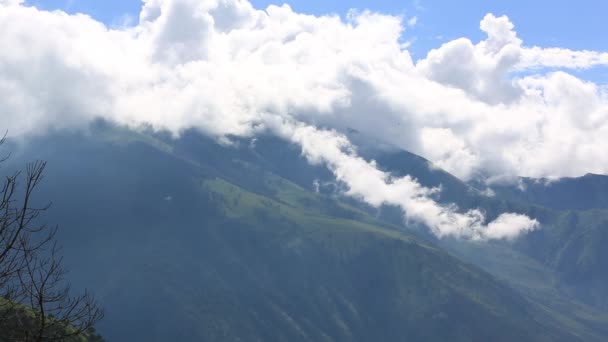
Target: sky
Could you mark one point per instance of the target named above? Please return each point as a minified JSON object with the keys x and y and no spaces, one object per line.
{"x":573,"y":24}
{"x":485,"y":90}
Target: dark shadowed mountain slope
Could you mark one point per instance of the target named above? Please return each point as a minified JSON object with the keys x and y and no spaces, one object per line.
{"x":579,"y":193}
{"x":570,"y":246}
{"x":189,"y":240}
{"x":574,"y":246}
{"x":572,"y":249}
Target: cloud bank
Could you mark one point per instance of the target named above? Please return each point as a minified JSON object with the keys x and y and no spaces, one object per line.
{"x":366,"y":182}
{"x":495,"y":107}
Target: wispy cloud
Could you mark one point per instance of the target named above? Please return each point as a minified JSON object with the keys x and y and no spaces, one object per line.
{"x":225,"y":68}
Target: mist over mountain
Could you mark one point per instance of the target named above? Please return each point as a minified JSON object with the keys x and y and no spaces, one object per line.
{"x":190,"y":239}
{"x":227,"y":69}
{"x":185,"y":249}
{"x":221,"y":170}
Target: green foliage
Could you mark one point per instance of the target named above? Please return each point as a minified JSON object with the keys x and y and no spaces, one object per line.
{"x":14,"y":318}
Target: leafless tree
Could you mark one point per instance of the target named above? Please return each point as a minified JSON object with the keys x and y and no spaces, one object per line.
{"x":36,"y":302}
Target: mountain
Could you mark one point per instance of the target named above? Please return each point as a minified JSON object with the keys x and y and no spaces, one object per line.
{"x":563,"y":261}
{"x":569,"y":193}
{"x":574,"y":217}
{"x":574,"y":246}
{"x":187,"y":239}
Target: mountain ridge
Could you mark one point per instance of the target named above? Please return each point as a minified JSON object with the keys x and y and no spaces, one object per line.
{"x":227,"y":247}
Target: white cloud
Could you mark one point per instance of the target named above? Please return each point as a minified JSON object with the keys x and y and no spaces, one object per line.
{"x":366,"y":182}
{"x":11,"y":2}
{"x":226,"y":68}
{"x":480,"y":69}
{"x":508,"y":226}
{"x":561,"y":58}
{"x":452,"y":154}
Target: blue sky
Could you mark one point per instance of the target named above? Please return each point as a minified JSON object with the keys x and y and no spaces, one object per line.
{"x":573,"y":24}
{"x":576,"y":25}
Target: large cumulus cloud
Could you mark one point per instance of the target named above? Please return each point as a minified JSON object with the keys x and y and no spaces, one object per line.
{"x":496,"y":107}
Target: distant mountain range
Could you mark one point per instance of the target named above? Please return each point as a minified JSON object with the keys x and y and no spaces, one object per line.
{"x":185,"y":239}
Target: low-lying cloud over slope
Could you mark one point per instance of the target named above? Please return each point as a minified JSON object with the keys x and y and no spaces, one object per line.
{"x":495,"y":107}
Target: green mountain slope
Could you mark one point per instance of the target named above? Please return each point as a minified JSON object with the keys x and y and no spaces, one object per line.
{"x":215,"y":245}
{"x":560,"y":266}
{"x":574,"y":247}
{"x":569,"y":193}
{"x":563,"y":265}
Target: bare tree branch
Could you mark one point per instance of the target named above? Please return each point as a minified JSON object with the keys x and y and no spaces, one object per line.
{"x":36,"y":302}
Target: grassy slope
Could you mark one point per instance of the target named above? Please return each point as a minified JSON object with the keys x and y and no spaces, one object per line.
{"x":538,"y":283}
{"x":445,"y":293}
{"x":217,"y":248}
{"x":561,"y":266}
{"x":573,"y":246}
{"x":533,"y":279}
